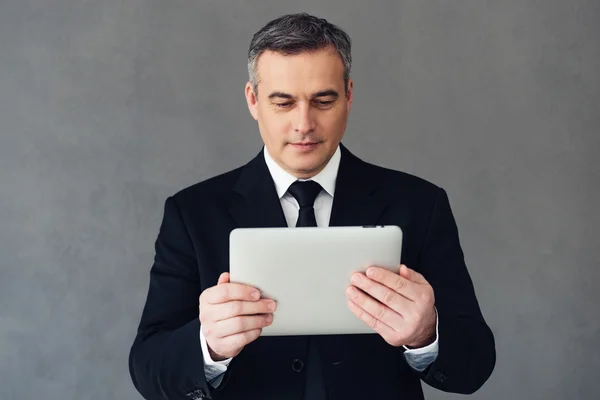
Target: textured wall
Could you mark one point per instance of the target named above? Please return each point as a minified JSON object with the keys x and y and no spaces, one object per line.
{"x":107,"y":107}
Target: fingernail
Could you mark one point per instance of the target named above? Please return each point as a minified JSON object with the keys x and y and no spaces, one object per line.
{"x":272,"y":306}
{"x":269,"y":318}
{"x":256,"y":295}
{"x":355,"y":278}
{"x":370,"y":272}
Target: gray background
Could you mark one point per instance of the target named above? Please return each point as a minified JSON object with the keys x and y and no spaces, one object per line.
{"x":107,"y":107}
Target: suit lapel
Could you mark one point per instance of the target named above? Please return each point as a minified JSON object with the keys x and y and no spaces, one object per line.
{"x":256,"y":204}
{"x":358,"y":199}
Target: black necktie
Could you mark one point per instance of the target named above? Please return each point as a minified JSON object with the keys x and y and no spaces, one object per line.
{"x":305,"y":193}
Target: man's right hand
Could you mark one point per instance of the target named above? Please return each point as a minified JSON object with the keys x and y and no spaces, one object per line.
{"x":231,"y":316}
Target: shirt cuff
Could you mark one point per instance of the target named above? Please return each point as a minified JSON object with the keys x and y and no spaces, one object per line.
{"x":422,"y":357}
{"x":213,"y":370}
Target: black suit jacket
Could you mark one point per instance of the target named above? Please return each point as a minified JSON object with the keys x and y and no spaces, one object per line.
{"x":192,"y":250}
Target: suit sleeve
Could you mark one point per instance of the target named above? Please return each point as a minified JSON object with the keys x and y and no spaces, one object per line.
{"x":466,"y":353}
{"x":165,"y":360}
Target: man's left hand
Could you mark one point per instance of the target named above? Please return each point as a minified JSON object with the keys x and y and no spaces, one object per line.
{"x":400,"y":307}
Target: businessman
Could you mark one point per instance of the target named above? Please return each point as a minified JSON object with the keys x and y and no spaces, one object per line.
{"x":199,"y":334}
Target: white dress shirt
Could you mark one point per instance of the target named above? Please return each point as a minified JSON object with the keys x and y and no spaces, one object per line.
{"x":418,"y":359}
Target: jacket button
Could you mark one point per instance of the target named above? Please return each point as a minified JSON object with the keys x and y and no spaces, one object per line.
{"x":297,"y":365}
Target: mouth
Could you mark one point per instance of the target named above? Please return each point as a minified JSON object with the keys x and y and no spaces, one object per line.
{"x":305,"y":146}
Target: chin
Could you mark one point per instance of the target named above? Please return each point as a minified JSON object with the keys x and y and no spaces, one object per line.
{"x":308,"y":163}
{"x":305,"y":168}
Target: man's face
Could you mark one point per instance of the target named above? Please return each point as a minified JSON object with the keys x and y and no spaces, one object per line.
{"x":301,"y":108}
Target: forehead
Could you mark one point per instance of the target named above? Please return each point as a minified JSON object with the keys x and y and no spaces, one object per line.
{"x":300,"y":73}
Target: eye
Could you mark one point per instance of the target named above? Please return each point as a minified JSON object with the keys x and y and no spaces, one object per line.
{"x":283,"y":105}
{"x":324,"y":102}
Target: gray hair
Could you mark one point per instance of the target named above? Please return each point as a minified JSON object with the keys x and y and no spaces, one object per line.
{"x":296,"y":33}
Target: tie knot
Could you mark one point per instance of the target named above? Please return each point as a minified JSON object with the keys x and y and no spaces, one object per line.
{"x":305,"y":192}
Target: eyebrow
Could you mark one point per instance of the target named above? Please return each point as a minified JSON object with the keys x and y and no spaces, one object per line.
{"x":323,"y":93}
{"x":281,"y":95}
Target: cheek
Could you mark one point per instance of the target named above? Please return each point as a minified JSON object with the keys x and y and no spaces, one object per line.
{"x":334,"y":123}
{"x":272,"y":125}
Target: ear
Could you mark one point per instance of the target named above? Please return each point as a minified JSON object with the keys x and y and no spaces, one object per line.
{"x":252,"y":100}
{"x":350,"y":94}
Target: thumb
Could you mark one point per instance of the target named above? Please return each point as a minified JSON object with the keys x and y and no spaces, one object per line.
{"x":411,"y":275}
{"x":223,"y":278}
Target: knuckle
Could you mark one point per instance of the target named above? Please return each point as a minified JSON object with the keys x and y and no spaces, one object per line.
{"x":375,"y":273}
{"x":249,"y":293}
{"x":203,"y":315}
{"x":239,"y":324}
{"x":362,"y":297}
{"x":235,"y":308}
{"x":224,"y":292}
{"x":253,"y":335}
{"x":265,"y":306}
{"x":389,"y":297}
{"x":380,"y":313}
{"x":208,"y":330}
{"x":250,"y":336}
{"x":400,"y":284}
{"x":357,"y":297}
{"x":245,"y":339}
{"x":239,"y":341}
{"x":262,"y":322}
{"x":373,"y":323}
{"x":254,"y":322}
{"x":359,"y":312}
{"x":366,"y":284}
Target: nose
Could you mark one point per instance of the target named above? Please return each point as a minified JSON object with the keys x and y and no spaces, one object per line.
{"x":304,"y":120}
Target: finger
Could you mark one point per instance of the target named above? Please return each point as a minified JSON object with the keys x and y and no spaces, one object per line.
{"x":397,"y":283}
{"x":396,"y":301}
{"x":220,"y":312}
{"x":223,"y":278}
{"x":384,"y":330}
{"x":378,"y":310}
{"x":231,"y":291}
{"x":239,"y":324}
{"x":412,"y":275}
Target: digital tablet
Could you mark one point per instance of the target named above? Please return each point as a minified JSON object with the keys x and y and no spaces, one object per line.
{"x":307,"y":270}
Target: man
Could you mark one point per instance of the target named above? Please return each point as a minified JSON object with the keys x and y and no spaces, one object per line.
{"x":199,"y":335}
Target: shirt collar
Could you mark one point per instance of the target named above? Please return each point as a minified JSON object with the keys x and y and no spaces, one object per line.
{"x":283,"y":180}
